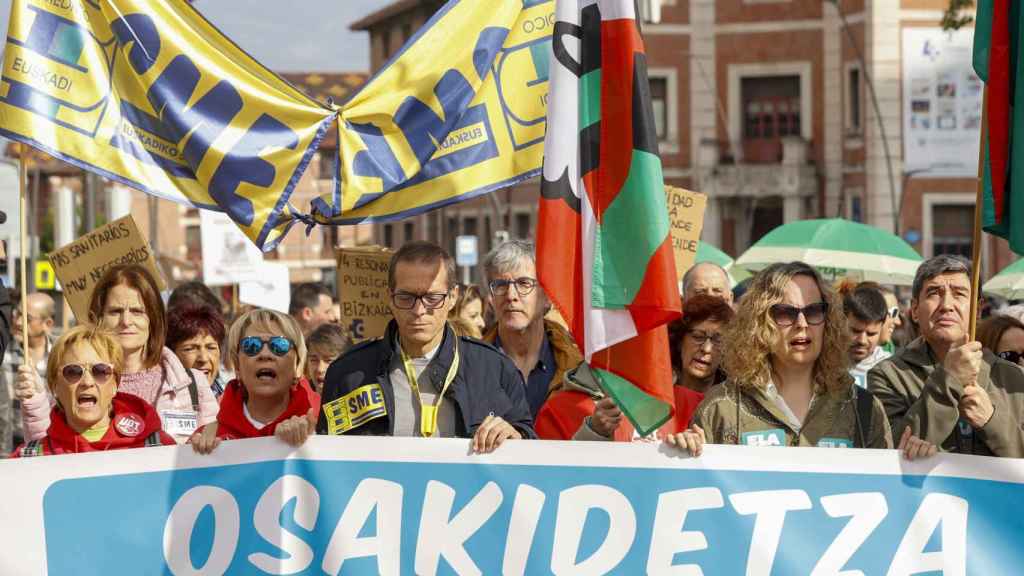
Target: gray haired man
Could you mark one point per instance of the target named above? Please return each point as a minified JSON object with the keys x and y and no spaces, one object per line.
{"x":946,"y":389}
{"x":542,"y":349}
{"x":707,"y":278}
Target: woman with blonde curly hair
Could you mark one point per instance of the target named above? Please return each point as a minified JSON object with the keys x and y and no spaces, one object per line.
{"x":786,"y":357}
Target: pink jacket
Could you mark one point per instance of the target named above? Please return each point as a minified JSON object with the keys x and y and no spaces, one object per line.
{"x":174,"y":396}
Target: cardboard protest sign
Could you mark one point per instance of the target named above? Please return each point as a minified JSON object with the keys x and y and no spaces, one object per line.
{"x":81,"y":264}
{"x":686,"y":220}
{"x":363,"y":291}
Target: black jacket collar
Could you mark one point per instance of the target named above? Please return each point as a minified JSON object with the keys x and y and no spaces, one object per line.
{"x":439,"y":364}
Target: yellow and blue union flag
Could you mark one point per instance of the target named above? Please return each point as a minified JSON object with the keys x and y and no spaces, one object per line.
{"x":150,"y":94}
{"x":458,"y":112}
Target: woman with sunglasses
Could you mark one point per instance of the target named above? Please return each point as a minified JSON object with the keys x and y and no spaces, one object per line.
{"x":1003,"y":335}
{"x":90,"y":415}
{"x":786,"y":357}
{"x":269,"y":397}
{"x":126,"y":301}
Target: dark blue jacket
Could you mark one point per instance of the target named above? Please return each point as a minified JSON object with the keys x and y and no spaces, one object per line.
{"x":487,"y":383}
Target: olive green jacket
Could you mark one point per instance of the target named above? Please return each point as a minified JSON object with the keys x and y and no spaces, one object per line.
{"x":831,"y":422}
{"x":917,"y":391}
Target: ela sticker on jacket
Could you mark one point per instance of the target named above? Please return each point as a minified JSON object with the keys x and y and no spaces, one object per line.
{"x":834,"y":443}
{"x":773,"y":437}
{"x":355,"y":409}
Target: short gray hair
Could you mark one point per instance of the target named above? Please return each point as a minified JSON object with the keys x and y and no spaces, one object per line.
{"x":505,"y":257}
{"x":941,"y":264}
{"x":688,"y":277}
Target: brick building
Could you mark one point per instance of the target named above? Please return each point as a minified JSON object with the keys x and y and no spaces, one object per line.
{"x":764,"y":106}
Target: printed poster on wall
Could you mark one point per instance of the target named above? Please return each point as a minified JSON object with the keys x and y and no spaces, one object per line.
{"x":942,"y":99}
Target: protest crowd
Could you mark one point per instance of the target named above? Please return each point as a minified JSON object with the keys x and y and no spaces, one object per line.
{"x":783,"y":359}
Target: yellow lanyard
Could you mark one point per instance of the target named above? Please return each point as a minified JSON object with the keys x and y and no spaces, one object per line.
{"x":428,"y":413}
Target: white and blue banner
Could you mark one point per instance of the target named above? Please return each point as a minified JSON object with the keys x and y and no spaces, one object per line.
{"x":413,"y":506}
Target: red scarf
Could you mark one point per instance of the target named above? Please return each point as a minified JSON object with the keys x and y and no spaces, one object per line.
{"x":233,"y":425}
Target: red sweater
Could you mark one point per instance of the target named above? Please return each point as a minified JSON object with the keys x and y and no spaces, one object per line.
{"x":133,"y":421}
{"x":233,"y":425}
{"x":564,"y":412}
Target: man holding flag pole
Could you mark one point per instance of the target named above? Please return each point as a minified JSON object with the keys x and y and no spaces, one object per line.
{"x":604,"y":248}
{"x":943,"y":385}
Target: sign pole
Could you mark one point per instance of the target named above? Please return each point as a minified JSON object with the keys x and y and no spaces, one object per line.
{"x":22,"y":201}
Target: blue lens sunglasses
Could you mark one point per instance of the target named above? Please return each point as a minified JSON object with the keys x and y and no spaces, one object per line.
{"x":279,"y":345}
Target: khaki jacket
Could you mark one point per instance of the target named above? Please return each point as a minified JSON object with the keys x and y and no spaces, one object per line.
{"x":831,"y":422}
{"x":567,"y":355}
{"x":917,"y":391}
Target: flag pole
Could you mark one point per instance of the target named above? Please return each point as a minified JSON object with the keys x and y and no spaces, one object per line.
{"x":979,"y":207}
{"x":23,"y":208}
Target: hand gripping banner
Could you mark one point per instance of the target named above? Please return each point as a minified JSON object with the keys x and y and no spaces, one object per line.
{"x":459,"y":112}
{"x":150,"y":94}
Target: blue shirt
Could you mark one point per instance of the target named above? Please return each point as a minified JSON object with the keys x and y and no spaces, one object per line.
{"x":540,"y":376}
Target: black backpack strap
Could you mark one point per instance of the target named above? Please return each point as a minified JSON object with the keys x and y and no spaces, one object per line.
{"x":193,"y":390}
{"x":865,"y":409}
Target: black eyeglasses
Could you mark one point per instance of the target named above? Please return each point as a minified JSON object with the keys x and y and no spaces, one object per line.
{"x":524,"y":285}
{"x":786,"y":315}
{"x":100,"y":371}
{"x":894,"y":312}
{"x":1011,"y":356}
{"x":407,"y":301}
{"x":700,"y":338}
{"x":253,"y":345}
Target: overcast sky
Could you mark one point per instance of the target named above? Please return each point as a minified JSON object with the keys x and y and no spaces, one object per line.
{"x":297,"y":36}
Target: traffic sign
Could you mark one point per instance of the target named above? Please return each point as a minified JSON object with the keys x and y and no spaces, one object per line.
{"x":465,"y":250}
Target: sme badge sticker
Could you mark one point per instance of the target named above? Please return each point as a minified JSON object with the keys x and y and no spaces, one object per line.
{"x":355,"y":409}
{"x":773,"y":437}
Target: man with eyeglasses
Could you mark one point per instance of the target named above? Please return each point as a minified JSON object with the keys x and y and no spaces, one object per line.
{"x":41,"y":308}
{"x":541,"y":349}
{"x":421,"y":379}
{"x":950,"y":391}
{"x":866,"y":316}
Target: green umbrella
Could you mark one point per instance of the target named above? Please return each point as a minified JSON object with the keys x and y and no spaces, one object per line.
{"x":1009,"y":283}
{"x":709,"y":253}
{"x":837,"y":248}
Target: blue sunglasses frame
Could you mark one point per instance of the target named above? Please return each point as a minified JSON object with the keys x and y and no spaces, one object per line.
{"x":253,"y":345}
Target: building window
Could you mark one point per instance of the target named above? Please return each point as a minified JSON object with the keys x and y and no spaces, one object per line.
{"x":327,"y":164}
{"x":469,"y":226}
{"x":856,"y":209}
{"x":771,"y":111}
{"x":952,"y":229}
{"x":385,"y":40}
{"x":853,"y":100}
{"x":523,"y":225}
{"x":659,"y":101}
{"x":193,"y":243}
{"x":389,"y":235}
{"x":409,"y":231}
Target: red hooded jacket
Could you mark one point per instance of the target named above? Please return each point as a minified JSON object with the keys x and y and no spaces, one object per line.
{"x":233,"y":425}
{"x":564,"y":412}
{"x":134,"y":421}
